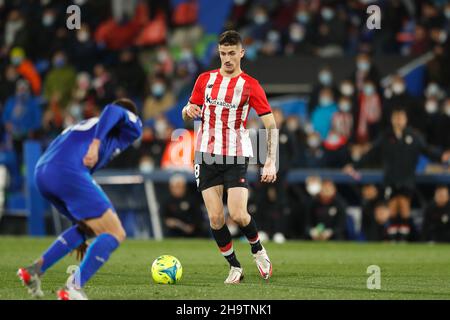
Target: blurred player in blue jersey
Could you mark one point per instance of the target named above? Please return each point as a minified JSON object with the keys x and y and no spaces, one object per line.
{"x":63,"y":176}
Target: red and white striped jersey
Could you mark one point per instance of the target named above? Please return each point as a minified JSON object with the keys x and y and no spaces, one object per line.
{"x":225,"y":106}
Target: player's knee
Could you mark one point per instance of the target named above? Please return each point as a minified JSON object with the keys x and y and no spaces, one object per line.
{"x":216,"y":221}
{"x":120,"y":235}
{"x":239,"y":215}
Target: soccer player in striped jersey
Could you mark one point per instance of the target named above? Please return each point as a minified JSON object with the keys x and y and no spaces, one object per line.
{"x":222,"y":99}
{"x":63,"y":175}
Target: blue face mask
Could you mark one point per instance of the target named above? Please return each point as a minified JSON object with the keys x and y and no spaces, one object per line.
{"x":59,"y":62}
{"x":16,"y":61}
{"x":363,"y":66}
{"x":327,"y":14}
{"x":325,"y":78}
{"x":324,"y":101}
{"x":369,"y":90}
{"x":302,"y":17}
{"x":158,"y":90}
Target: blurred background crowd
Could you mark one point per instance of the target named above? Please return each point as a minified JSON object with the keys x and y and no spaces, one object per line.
{"x":152,"y":51}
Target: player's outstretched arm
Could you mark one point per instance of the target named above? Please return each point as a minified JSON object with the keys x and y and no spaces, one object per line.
{"x":269,"y":173}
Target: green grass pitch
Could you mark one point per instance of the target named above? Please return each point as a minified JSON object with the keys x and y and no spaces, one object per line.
{"x":302,"y":270}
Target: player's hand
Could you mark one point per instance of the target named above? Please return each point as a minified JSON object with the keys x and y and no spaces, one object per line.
{"x":269,"y":172}
{"x":193,"y":111}
{"x":348,"y":169}
{"x":91,"y":157}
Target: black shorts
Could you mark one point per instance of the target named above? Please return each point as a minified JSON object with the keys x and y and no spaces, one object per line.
{"x":213,"y":170}
{"x":391,"y":191}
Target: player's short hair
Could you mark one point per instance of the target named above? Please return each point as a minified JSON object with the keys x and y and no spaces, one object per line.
{"x":230,"y":38}
{"x":127,"y":104}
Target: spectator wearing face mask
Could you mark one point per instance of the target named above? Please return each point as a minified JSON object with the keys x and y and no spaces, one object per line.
{"x":261,"y":24}
{"x":298,"y":41}
{"x":272,"y":44}
{"x":21,"y":116}
{"x":325,"y":79}
{"x":159,"y":100}
{"x":347,"y":90}
{"x":60,"y":80}
{"x":41,"y":31}
{"x":26,"y":69}
{"x":325,"y":216}
{"x":314,"y":154}
{"x":436,"y":223}
{"x":323,"y":113}
{"x":368,"y":115}
{"x":330,"y":33}
{"x":337,"y":153}
{"x":83,"y":50}
{"x":343,"y":122}
{"x":365,"y":70}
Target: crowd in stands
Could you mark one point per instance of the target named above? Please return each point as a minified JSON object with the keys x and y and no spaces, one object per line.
{"x":150,"y":51}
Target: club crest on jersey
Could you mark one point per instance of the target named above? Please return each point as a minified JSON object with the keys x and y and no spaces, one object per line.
{"x":220,"y":103}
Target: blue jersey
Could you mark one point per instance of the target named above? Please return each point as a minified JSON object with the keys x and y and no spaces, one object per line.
{"x":65,"y":181}
{"x":116,"y":128}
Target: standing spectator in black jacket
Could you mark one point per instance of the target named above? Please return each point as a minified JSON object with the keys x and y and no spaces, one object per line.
{"x":181,"y":213}
{"x":326,"y":217}
{"x":400,"y":148}
{"x":130,"y":74}
{"x":436,"y":224}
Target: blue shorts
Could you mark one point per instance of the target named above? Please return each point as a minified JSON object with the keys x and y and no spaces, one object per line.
{"x":74,"y":193}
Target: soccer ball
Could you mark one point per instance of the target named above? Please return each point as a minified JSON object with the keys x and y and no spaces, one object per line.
{"x":166,"y":269}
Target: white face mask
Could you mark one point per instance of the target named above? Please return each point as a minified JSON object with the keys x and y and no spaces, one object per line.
{"x":146,"y":166}
{"x":398,"y":88}
{"x":83,"y":36}
{"x":292,"y":125}
{"x":432,"y":89}
{"x":431,"y":106}
{"x":313,"y":188}
{"x":313,"y":142}
{"x":260,"y":19}
{"x":369,"y":90}
{"x":347,"y":89}
{"x":345,"y":106}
